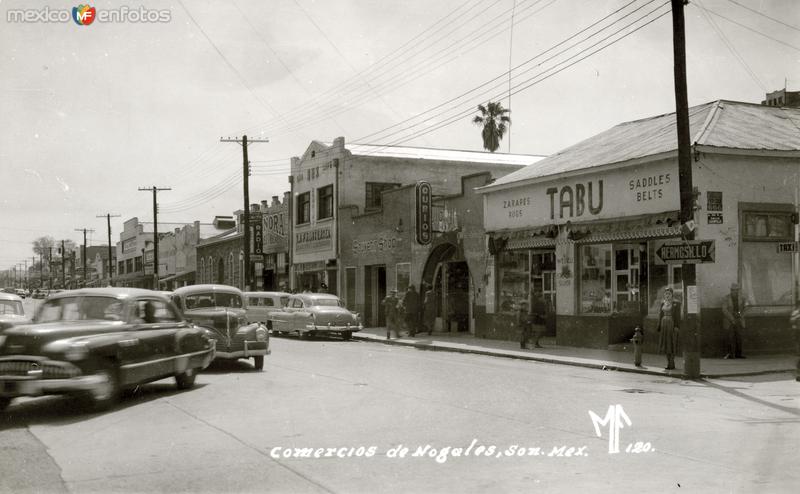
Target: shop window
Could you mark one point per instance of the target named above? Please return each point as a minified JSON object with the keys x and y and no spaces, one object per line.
{"x":661,"y":277}
{"x":403,"y":277}
{"x":304,"y":208}
{"x":543,"y":280}
{"x":596,"y":287}
{"x":513,"y":280}
{"x":325,"y":202}
{"x":766,"y":275}
{"x":373,"y":194}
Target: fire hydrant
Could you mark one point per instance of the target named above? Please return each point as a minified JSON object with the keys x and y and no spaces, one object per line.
{"x":637,"y":340}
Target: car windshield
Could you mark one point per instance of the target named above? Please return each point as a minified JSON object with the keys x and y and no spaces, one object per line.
{"x":213,"y":299}
{"x":11,"y":307}
{"x":80,"y":308}
{"x":327,"y":302}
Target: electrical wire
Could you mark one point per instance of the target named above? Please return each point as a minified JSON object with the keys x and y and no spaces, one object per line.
{"x":751,"y":29}
{"x":763,"y":15}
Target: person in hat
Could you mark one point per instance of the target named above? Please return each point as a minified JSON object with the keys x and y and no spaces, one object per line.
{"x":733,"y":306}
{"x":412,"y":310}
{"x":669,"y":319}
{"x":390,"y":309}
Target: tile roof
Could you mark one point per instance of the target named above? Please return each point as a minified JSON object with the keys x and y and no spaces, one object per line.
{"x":718,"y":124}
{"x":441,"y":154}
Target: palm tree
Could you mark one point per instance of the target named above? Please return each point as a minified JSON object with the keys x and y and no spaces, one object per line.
{"x":495,"y":122}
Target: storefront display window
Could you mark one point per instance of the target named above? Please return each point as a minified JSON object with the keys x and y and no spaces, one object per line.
{"x":766,"y":275}
{"x":595,"y":276}
{"x":514,"y":279}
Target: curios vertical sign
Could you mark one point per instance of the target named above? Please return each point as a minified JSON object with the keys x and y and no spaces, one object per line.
{"x":423,"y":204}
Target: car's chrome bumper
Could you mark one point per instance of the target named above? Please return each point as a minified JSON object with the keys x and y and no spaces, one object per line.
{"x":251,"y":349}
{"x":330,"y":328}
{"x":13,"y":386}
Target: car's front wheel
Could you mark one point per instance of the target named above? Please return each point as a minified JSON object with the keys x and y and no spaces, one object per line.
{"x":258,"y":362}
{"x":185,"y":380}
{"x":106,"y":391}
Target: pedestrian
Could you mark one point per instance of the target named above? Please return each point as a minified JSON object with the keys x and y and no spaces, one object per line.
{"x":637,"y":340}
{"x":539,"y":313}
{"x":732,"y":321}
{"x":390,"y":309}
{"x":429,"y":310}
{"x":524,"y":323}
{"x":669,"y":318}
{"x":411,"y":305}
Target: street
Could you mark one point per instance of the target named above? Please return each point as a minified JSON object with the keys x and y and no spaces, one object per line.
{"x":335,"y":416}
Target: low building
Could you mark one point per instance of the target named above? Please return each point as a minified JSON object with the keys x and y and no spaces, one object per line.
{"x":177,"y":253}
{"x":592,"y":229}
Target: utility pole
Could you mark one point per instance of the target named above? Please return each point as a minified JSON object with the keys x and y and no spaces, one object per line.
{"x":155,"y":231}
{"x":246,"y":218}
{"x":63,"y":266}
{"x":108,"y":217}
{"x":690,"y":328}
{"x":83,"y":251}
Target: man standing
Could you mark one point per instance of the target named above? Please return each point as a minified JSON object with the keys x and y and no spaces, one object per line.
{"x":733,"y":322}
{"x":390,"y":309}
{"x":411,"y":304}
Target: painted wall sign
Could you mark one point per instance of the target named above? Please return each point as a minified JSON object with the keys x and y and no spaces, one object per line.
{"x":684,"y":252}
{"x":423,"y":204}
{"x":376,"y":243}
{"x":714,"y":218}
{"x":313,"y":240}
{"x":258,"y":237}
{"x":714,"y":201}
{"x":632,"y":191}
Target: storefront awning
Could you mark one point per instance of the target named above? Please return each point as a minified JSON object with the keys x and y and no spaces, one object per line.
{"x":183,"y":275}
{"x":639,"y":228}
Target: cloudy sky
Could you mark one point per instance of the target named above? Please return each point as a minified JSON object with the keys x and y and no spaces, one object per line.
{"x":90,"y":113}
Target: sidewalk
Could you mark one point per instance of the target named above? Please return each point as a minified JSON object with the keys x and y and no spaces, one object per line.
{"x":618,"y":360}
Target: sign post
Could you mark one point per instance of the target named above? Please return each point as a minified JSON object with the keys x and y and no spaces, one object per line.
{"x":684,"y":252}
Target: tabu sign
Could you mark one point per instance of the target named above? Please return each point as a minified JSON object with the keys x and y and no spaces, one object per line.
{"x":423,"y":203}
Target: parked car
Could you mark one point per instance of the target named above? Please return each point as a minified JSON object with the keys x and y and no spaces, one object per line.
{"x":11,"y":310}
{"x":310,"y":314}
{"x":21,"y":292}
{"x":259,"y":305}
{"x":96,"y":342}
{"x":220,"y":308}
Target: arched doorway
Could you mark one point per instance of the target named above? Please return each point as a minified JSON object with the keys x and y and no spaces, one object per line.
{"x":447,"y":272}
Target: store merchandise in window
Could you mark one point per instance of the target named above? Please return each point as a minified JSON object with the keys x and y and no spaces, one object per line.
{"x":514,"y":279}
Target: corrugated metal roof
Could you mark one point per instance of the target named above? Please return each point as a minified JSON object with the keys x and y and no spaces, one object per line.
{"x":441,"y":154}
{"x":724,"y":124}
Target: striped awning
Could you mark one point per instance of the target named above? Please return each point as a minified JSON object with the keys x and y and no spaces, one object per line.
{"x":663,"y":225}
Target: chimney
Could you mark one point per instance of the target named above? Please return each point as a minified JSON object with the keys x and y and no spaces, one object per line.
{"x":275,"y":201}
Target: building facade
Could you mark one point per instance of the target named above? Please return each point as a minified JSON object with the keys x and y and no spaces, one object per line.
{"x":275,"y":244}
{"x":593,"y":231}
{"x":329,"y":179}
{"x":177,"y":253}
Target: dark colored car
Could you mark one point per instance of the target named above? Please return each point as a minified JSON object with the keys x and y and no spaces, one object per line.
{"x":95,"y":342}
{"x":221,"y":309}
{"x":310,"y":314}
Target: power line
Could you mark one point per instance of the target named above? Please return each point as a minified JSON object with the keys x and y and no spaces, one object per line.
{"x":750,"y":28}
{"x":763,"y":15}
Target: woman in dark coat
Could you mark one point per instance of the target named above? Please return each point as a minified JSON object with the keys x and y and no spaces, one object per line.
{"x":669,"y":318}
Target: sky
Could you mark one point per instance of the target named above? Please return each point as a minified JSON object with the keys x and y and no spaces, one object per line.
{"x":91,"y":113}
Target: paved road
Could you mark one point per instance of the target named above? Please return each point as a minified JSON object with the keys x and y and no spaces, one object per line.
{"x":358,"y":405}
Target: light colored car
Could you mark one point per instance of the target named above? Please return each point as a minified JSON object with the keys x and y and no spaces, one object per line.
{"x":220,"y":308}
{"x":311,"y":314}
{"x":12,"y":310}
{"x":259,"y":305}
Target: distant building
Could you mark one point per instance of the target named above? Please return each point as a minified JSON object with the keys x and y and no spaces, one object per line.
{"x":782,"y":97}
{"x":177,"y":251}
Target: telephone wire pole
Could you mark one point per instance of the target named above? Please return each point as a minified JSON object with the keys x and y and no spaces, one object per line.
{"x":246,"y":218}
{"x":155,"y":232}
{"x":108,"y":217}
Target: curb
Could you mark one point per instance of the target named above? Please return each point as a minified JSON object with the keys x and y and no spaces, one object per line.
{"x":557,"y":361}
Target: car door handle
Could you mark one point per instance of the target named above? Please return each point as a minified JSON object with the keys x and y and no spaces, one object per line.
{"x":130,"y":342}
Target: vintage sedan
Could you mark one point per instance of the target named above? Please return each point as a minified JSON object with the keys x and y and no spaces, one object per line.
{"x":310,"y":314}
{"x":96,"y":342}
{"x":220,"y":308}
{"x":11,"y":310}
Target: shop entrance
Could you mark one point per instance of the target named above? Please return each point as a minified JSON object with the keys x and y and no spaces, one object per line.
{"x":449,"y":278}
{"x":374,"y":293}
{"x":268,"y":280}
